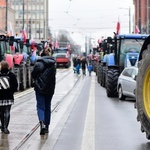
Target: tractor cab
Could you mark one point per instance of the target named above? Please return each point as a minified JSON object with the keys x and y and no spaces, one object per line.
{"x":127,"y":49}
{"x":126,"y":53}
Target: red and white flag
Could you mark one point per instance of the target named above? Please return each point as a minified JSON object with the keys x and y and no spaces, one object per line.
{"x":24,"y":35}
{"x":118,"y":28}
{"x":11,"y":33}
{"x":56,"y":44}
{"x":98,"y":41}
{"x":137,"y":31}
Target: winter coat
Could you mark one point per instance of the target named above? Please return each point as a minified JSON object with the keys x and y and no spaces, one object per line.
{"x":83,"y":63}
{"x":7,"y":96}
{"x":42,"y":64}
{"x":74,"y":62}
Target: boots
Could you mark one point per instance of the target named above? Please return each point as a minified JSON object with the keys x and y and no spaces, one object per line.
{"x":42,"y":128}
{"x":46,"y":129}
{"x":5,"y":120}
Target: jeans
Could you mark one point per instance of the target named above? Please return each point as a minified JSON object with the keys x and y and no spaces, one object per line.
{"x":44,"y":107}
{"x":5,"y":115}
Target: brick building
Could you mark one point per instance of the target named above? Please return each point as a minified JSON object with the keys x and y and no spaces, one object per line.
{"x":142,"y":15}
{"x":5,"y":25}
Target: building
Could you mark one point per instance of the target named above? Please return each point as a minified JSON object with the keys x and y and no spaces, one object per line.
{"x":31,"y":15}
{"x":142,"y":15}
{"x":7,"y":18}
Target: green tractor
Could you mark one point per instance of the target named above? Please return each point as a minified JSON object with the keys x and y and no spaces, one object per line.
{"x":143,"y":87}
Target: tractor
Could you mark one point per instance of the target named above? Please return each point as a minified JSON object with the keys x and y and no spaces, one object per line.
{"x":106,"y":48}
{"x":19,"y":57}
{"x":24,"y":59}
{"x":142,"y":103}
{"x":124,"y":52}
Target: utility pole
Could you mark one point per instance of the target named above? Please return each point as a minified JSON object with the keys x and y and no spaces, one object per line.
{"x":147,"y":17}
{"x":6,"y":15}
{"x":129,"y":19}
{"x":23,"y":14}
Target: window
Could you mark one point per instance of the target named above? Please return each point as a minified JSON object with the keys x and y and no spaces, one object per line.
{"x":127,"y":72}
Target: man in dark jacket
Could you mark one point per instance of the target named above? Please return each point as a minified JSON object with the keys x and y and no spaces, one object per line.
{"x":44,"y":75}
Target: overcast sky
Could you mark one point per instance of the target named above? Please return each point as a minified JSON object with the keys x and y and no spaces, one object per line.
{"x":90,"y":17}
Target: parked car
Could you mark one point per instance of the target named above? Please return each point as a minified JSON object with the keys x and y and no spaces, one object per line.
{"x":127,"y":83}
{"x":62,"y":60}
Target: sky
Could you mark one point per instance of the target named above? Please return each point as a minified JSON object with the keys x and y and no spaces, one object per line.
{"x":92,"y":18}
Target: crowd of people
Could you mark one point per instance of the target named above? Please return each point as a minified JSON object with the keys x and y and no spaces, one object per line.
{"x":44,"y":70}
{"x":44,"y":80}
{"x":80,"y":62}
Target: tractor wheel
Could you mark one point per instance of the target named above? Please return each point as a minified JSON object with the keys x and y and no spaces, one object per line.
{"x":98,"y":68}
{"x":112,"y":79}
{"x":28,"y":65}
{"x":23,"y":76}
{"x":142,"y":92}
{"x":16,"y":71}
{"x":104,"y":77}
{"x":120,"y":93}
{"x":100,"y":75}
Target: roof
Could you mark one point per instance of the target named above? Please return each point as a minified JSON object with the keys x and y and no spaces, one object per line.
{"x":132,"y":36}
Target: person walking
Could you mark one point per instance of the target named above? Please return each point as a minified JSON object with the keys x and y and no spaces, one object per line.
{"x":44,"y":76}
{"x":83,"y":65}
{"x":90,"y":68}
{"x":7,"y":90}
{"x":74,"y":63}
{"x":78,"y":65}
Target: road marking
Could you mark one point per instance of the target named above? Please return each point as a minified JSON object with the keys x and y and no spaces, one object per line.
{"x":88,"y":140}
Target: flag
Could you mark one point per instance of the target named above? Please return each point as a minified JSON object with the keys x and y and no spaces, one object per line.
{"x":56,"y":44}
{"x":11,"y":33}
{"x":24,"y":35}
{"x":118,"y":28}
{"x":98,"y":41}
{"x":32,"y":44}
{"x":46,"y":45}
{"x":137,"y":31}
{"x":68,"y":46}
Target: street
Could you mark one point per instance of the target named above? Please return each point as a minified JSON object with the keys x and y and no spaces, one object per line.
{"x":83,"y":118}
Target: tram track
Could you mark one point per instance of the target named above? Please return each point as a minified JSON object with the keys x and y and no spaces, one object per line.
{"x":29,"y":135}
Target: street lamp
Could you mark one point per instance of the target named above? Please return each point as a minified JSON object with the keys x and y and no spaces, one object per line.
{"x":6,"y":15}
{"x":148,"y":17}
{"x":129,"y":11}
{"x":23,"y":14}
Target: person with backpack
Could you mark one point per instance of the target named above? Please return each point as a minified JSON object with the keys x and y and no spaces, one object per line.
{"x":83,"y":65}
{"x":44,"y":76}
{"x":8,"y":86}
{"x":90,"y":68}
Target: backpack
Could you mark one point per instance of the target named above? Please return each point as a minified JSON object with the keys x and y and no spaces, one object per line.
{"x":46,"y":80}
{"x":4,"y":81}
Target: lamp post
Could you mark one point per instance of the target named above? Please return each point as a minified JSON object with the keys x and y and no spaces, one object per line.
{"x":6,"y":15}
{"x":23,"y":14}
{"x":129,"y":14}
{"x":147,"y":17}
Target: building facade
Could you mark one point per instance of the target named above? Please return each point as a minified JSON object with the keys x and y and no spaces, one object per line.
{"x":7,"y":18}
{"x":31,"y":15}
{"x":142,"y":15}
